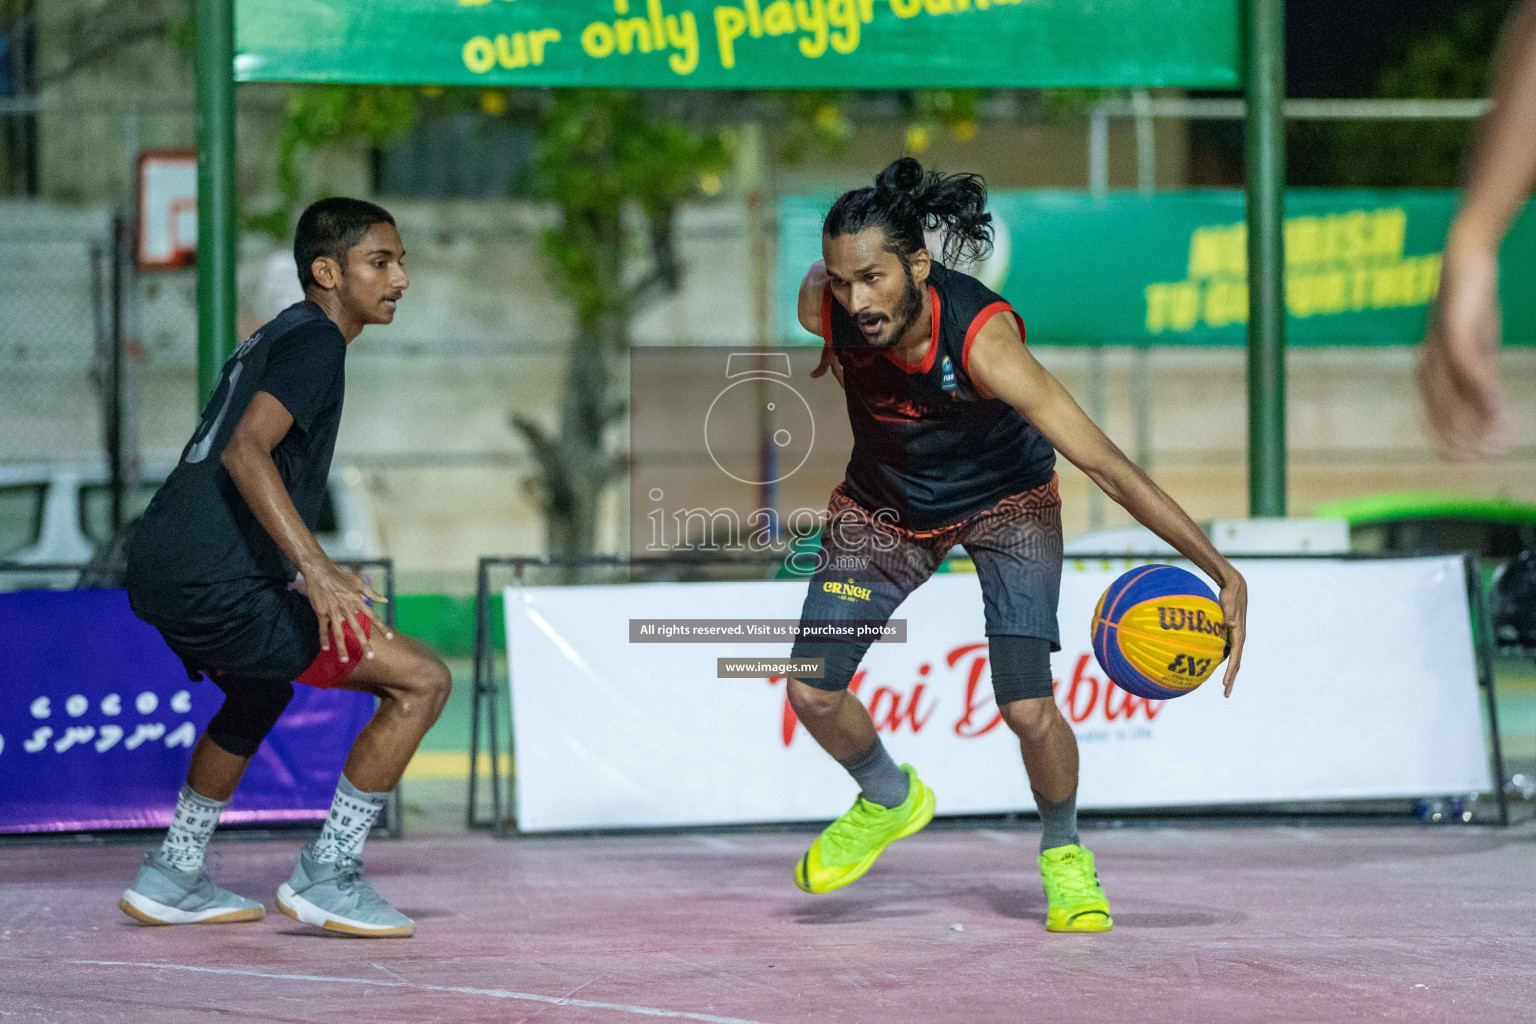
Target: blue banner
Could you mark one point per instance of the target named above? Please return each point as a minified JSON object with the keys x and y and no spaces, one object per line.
{"x":98,"y":720}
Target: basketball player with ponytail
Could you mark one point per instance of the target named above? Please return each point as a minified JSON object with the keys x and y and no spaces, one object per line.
{"x":956,"y":429}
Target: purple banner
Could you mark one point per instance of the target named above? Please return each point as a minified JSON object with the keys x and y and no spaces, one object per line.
{"x":98,"y":720}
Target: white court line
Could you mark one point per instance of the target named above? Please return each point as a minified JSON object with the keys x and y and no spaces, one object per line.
{"x":494,"y":993}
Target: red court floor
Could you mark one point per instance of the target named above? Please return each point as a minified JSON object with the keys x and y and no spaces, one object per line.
{"x":1230,"y":924}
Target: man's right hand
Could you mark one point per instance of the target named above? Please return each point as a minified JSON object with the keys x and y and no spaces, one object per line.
{"x":1464,"y":402}
{"x":338,"y":597}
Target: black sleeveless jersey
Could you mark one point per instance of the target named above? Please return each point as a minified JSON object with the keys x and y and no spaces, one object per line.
{"x":927,"y":444}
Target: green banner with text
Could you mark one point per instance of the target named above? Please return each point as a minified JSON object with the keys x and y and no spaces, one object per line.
{"x":742,"y":44}
{"x":1172,"y":269}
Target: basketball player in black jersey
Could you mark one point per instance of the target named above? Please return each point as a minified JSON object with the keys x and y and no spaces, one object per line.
{"x":956,"y":429}
{"x":226,"y":566}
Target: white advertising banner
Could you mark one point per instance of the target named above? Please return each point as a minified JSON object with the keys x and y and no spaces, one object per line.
{"x":1359,"y":680}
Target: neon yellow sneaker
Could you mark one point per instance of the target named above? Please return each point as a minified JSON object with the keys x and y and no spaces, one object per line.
{"x":850,"y":845}
{"x":1076,"y":900}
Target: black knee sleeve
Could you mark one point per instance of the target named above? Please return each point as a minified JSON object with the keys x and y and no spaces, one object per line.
{"x":839,"y":659}
{"x":1021,"y":668}
{"x":250,"y":711}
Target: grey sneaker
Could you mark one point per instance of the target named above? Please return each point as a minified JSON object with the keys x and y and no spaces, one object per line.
{"x":163,"y":894}
{"x":333,"y":895}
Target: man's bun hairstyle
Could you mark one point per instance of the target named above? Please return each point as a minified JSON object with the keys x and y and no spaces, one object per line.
{"x":331,"y":227}
{"x":906,"y":201}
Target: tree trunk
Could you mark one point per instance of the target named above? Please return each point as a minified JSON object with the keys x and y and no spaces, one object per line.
{"x":575,"y":467}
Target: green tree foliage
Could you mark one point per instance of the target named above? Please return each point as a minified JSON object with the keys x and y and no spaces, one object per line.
{"x":320,"y":116}
{"x":601,"y":154}
{"x":616,"y":170}
{"x":1451,"y":58}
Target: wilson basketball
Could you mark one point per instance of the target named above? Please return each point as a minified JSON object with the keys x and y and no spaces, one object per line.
{"x":1158,"y":632}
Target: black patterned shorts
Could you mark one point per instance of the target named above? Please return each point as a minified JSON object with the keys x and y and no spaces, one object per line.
{"x":866,"y":567}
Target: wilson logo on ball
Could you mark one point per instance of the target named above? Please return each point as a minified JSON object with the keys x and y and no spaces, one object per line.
{"x":1182,"y":618}
{"x":1158,"y":632}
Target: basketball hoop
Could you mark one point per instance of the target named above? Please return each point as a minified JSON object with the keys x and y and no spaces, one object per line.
{"x":166,"y":190}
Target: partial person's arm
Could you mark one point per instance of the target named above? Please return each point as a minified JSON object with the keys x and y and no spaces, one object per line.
{"x":1458,"y":369}
{"x":811,"y":291}
{"x":337,"y":596}
{"x":1002,"y":365}
{"x":1503,"y":167}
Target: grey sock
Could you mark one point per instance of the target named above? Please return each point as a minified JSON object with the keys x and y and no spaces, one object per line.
{"x":346,"y":829}
{"x":1058,"y":821}
{"x":191,"y":828}
{"x":879,"y":779}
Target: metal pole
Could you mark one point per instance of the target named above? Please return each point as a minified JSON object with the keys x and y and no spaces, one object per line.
{"x":1146,"y":185}
{"x":397,"y":797}
{"x":1098,"y":151}
{"x":482,"y":603}
{"x":133,"y":348}
{"x":1265,"y":131}
{"x":1141,"y":403}
{"x":502,"y":812}
{"x":752,"y":168}
{"x":1482,"y":637}
{"x":1146,"y":143}
{"x":1098,"y":187}
{"x":213,"y":66}
{"x":1186,"y":108}
{"x":1098,"y":411}
{"x":115,"y":377}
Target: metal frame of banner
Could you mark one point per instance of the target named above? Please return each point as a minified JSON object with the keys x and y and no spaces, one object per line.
{"x":486,"y":720}
{"x":394,"y":811}
{"x":1482,"y":637}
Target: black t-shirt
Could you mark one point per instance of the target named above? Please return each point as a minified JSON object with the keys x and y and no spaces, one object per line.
{"x":928,"y":444}
{"x":199,"y":548}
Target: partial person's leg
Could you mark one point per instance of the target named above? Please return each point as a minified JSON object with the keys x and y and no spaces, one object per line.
{"x":1049,"y":750}
{"x":864,"y":572}
{"x":840,"y":723}
{"x":835,"y":718}
{"x":1016,"y":546}
{"x":214,"y":772}
{"x":412,"y":684}
{"x":859,"y":577}
{"x":171,"y":887}
{"x":1075,"y":900}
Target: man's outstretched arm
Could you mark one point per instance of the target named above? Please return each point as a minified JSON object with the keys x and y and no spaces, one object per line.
{"x":1000,"y":363}
{"x":337,"y":596}
{"x":1458,"y":370}
{"x":1503,"y":167}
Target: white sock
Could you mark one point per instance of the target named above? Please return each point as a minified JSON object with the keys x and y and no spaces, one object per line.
{"x":191,"y":828}
{"x":346,"y":829}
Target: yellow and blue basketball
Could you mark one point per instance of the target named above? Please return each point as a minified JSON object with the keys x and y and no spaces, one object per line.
{"x":1158,"y":632}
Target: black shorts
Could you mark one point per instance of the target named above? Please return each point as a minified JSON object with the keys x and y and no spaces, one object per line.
{"x":866,"y":568}
{"x":271,"y":633}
